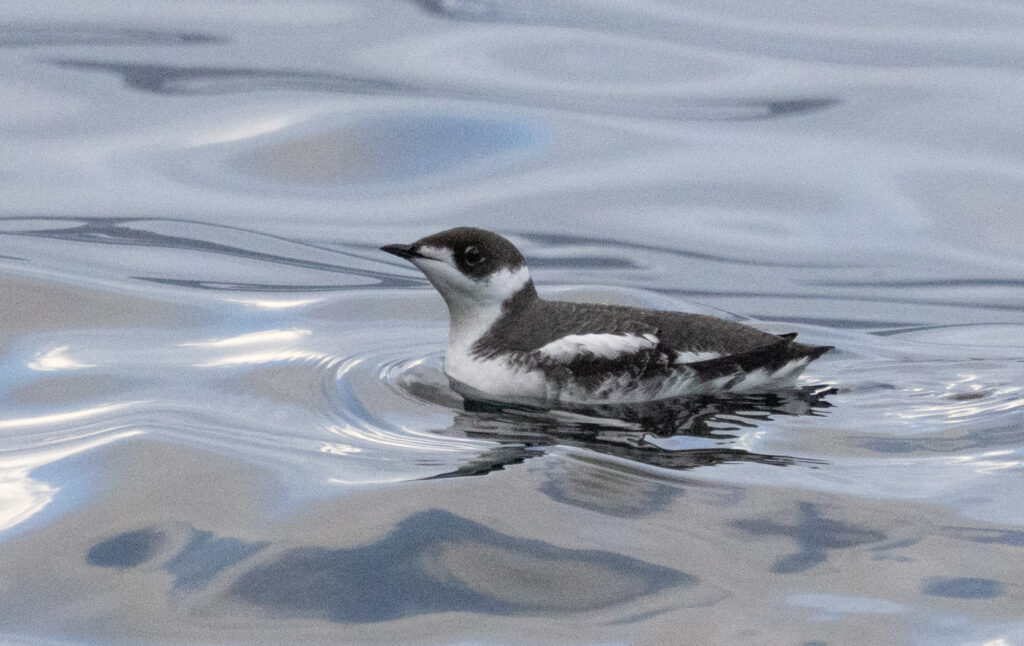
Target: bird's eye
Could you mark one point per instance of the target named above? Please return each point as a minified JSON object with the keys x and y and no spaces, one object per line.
{"x":472,"y":255}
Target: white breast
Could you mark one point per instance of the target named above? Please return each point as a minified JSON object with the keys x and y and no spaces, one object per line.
{"x":497,"y":376}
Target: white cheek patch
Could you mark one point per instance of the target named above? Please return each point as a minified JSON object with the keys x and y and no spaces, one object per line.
{"x":506,"y":282}
{"x":439,"y":268}
{"x":603,"y":346}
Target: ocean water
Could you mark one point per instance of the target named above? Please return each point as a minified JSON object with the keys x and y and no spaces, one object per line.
{"x":222,"y":415}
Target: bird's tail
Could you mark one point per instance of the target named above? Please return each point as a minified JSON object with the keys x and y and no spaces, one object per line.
{"x":771,"y":358}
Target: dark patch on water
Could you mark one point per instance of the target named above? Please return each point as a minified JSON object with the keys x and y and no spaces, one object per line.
{"x":962,"y":587}
{"x":175,"y":79}
{"x":815,"y":536}
{"x":1011,"y":537}
{"x":436,"y":562}
{"x":126,"y":550}
{"x":14,"y":35}
{"x":600,"y":263}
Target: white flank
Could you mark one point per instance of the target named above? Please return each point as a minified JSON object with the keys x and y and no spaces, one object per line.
{"x":498,"y":377}
{"x":760,"y":379}
{"x":604,"y":346}
{"x":506,"y":379}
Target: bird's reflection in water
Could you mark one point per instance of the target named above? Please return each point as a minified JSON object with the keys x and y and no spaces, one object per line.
{"x":673,"y":434}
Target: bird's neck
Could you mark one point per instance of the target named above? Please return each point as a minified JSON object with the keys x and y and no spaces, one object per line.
{"x":470,"y":319}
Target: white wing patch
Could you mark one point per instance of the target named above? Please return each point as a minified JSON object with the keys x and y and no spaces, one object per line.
{"x":603,"y":346}
{"x":693,"y":357}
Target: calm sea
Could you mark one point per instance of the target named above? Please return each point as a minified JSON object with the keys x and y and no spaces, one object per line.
{"x":222,"y":415}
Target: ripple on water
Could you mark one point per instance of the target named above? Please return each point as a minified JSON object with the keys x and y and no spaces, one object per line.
{"x":390,"y":411}
{"x":966,"y":383}
{"x":547,"y":58}
{"x":196,"y":255}
{"x":289,"y":393}
{"x":951,"y":421}
{"x":804,"y":31}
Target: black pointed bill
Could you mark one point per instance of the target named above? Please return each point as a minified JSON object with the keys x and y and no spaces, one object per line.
{"x":406,"y":251}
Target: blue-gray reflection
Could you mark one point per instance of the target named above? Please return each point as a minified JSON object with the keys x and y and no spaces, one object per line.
{"x":205,"y":555}
{"x":434,"y":562}
{"x":814,"y":534}
{"x":126,"y":550}
{"x":1011,"y":537}
{"x":612,"y":492}
{"x":962,"y":587}
{"x":636,"y":249}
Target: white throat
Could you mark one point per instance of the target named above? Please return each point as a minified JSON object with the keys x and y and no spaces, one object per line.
{"x":467,"y":323}
{"x":473,"y":312}
{"x":470,"y":316}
